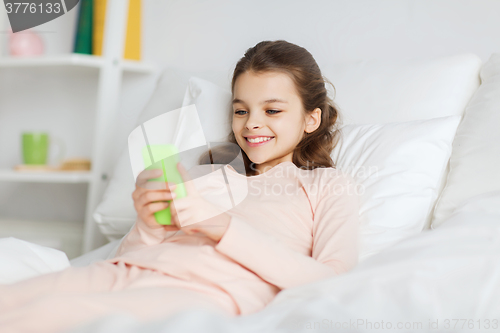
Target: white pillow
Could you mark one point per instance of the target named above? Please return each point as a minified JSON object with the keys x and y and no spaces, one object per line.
{"x":486,"y":204}
{"x":20,"y":260}
{"x":383,"y":91}
{"x":214,"y":108}
{"x":476,"y":150}
{"x":116,"y":214}
{"x":398,"y":168}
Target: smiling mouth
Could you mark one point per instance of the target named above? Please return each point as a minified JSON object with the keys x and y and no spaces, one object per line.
{"x":268,"y":138}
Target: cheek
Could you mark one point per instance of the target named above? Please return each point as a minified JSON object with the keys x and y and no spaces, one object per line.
{"x":291,"y":131}
{"x":286,"y":127}
{"x":236,"y":127}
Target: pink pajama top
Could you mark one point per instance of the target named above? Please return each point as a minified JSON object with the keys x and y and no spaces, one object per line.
{"x":288,"y":227}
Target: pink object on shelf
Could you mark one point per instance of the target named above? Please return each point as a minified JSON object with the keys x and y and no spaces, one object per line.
{"x":25,"y":44}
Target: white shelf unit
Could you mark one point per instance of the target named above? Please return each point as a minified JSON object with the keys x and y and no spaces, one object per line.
{"x":75,"y":59}
{"x":111,"y":67}
{"x":9,"y":175}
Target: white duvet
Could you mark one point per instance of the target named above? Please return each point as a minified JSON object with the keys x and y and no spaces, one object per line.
{"x":443,"y":280}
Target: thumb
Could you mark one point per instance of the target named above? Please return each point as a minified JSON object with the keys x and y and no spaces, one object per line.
{"x":186,"y":178}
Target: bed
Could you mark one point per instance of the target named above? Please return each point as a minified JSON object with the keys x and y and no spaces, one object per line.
{"x":430,"y":208}
{"x":429,"y":261}
{"x":445,"y":278}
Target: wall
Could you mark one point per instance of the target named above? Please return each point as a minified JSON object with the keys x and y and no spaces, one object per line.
{"x":199,"y":34}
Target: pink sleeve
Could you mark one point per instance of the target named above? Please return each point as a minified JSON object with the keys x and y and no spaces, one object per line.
{"x":334,"y":250}
{"x":141,"y":236}
{"x":336,"y":225}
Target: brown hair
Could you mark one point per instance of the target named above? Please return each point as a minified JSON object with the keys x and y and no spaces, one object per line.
{"x":314,"y":149}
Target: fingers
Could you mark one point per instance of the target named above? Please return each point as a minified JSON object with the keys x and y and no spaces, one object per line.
{"x":147,"y":213}
{"x":151,"y":197}
{"x":155,"y":207}
{"x":188,"y":184}
{"x":147,"y":202}
{"x":144,"y":197}
{"x":146,"y":174}
{"x":144,"y":180}
{"x":139,"y":191}
{"x":179,"y":212}
{"x":152,"y":185}
{"x":183,"y":211}
{"x":174,"y":214}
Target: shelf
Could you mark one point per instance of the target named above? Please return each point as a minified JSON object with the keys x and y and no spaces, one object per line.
{"x":74,"y":59}
{"x":110,"y":73}
{"x":138,"y":67}
{"x":45,"y":177}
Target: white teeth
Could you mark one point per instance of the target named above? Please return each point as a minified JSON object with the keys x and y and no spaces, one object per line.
{"x":260,"y":139}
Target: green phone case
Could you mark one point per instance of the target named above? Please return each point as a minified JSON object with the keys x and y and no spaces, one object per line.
{"x":164,"y":157}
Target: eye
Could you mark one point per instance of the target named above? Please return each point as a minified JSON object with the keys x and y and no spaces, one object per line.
{"x":274,"y":111}
{"x":238,"y":112}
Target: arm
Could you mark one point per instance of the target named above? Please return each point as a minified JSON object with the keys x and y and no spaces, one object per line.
{"x":336,"y":226}
{"x":141,"y":236}
{"x":334,"y":250}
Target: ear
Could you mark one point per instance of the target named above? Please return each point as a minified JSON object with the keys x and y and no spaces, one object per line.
{"x":313,"y":120}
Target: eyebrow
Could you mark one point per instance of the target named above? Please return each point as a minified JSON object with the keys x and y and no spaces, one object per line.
{"x":273,"y":100}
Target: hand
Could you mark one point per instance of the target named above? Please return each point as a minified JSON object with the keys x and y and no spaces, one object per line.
{"x":194,"y":214}
{"x":150,"y":197}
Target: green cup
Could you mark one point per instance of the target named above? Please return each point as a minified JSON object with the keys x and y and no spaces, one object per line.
{"x":35,"y":147}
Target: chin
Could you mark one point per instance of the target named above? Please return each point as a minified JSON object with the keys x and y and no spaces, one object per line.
{"x":254,"y":160}
{"x":257,"y":160}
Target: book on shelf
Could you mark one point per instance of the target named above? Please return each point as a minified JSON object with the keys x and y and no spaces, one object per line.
{"x":132,"y":50}
{"x":133,"y":36}
{"x":83,"y":38}
{"x":98,"y":25}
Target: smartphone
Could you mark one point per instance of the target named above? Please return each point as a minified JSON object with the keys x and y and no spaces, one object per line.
{"x":164,"y":157}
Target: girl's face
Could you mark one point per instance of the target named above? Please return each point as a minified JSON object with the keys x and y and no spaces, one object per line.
{"x":266,"y":106}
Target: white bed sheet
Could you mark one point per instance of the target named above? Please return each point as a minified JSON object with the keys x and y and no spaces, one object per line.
{"x":451,"y":273}
{"x":437,"y":278}
{"x":21,"y":260}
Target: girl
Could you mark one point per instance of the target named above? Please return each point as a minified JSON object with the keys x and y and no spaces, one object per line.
{"x":297,"y":224}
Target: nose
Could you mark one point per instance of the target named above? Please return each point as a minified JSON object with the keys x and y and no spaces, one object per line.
{"x":253,"y":121}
